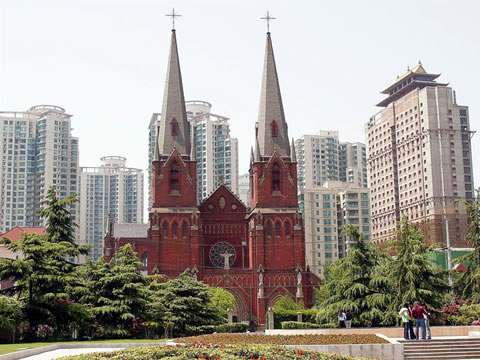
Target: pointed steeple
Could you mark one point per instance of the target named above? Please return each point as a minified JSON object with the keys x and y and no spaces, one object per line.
{"x":251,"y":155}
{"x":272,"y":129}
{"x":293,"y":154}
{"x":174,"y":127}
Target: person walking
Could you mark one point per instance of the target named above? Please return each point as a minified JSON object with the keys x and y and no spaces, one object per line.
{"x":341,"y":319}
{"x":348,"y":319}
{"x":412,"y":321}
{"x":407,"y":325}
{"x":418,"y":313}
{"x":426,"y":316}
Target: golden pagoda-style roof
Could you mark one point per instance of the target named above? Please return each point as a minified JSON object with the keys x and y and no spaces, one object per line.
{"x":416,"y":70}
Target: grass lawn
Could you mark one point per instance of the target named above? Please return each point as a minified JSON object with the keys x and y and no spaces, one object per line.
{"x":8,"y":348}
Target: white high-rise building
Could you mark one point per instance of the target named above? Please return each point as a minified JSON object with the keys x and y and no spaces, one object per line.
{"x":110,"y":190}
{"x":325,"y":210}
{"x":216,"y":151}
{"x":317,"y":158}
{"x":353,"y":163}
{"x":244,"y":188}
{"x":37,"y":150}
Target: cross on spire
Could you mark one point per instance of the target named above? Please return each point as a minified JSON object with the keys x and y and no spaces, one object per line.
{"x":268,"y":18}
{"x":173,"y":15}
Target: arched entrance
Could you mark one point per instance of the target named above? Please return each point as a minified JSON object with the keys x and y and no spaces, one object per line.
{"x":241,"y":312}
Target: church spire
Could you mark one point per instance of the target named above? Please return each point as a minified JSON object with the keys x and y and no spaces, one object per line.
{"x":272,"y":129}
{"x":174,"y":132}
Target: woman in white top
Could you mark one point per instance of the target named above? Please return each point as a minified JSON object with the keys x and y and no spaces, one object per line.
{"x":341,"y":319}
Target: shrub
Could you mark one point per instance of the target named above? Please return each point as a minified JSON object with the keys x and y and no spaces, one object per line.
{"x":299,"y":325}
{"x":308,"y":315}
{"x":210,"y":329}
{"x":44,"y":331}
{"x":466,"y":315}
{"x":210,"y":352}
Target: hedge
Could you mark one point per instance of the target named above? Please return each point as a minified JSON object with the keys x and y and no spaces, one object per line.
{"x":210,"y":329}
{"x":308,"y":315}
{"x":306,"y":325}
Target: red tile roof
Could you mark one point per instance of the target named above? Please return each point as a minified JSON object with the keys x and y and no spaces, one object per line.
{"x":15,"y":234}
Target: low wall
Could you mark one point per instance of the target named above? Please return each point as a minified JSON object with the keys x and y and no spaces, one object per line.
{"x":386,"y":331}
{"x":377,"y":351}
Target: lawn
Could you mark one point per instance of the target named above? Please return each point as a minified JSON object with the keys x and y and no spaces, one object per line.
{"x":8,"y":348}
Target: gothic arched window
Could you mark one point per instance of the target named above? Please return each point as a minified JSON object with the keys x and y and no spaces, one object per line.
{"x":268,"y":228}
{"x":274,"y":128}
{"x":174,"y":127}
{"x":145,"y":259}
{"x":276,"y":177}
{"x":165,"y":230}
{"x":174,"y":229}
{"x":184,"y":230}
{"x":174,"y":177}
{"x":287,"y":228}
{"x":277,"y":229}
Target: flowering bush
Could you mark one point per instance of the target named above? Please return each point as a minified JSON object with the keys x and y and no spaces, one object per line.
{"x":283,"y":339}
{"x":44,"y":331}
{"x":211,"y":352}
{"x":476,"y":322}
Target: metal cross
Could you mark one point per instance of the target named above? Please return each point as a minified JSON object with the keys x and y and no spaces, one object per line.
{"x":173,"y":15}
{"x":268,"y":18}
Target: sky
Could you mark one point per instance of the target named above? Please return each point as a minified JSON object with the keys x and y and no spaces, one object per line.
{"x":104,"y":61}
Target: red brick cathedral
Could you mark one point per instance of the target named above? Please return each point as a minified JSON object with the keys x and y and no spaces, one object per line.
{"x":256,"y":252}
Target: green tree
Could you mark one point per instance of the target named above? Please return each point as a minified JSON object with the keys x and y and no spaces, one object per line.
{"x":351,"y":284}
{"x":286,"y":303}
{"x":115,"y":292}
{"x":468,"y":284}
{"x":187,"y":304}
{"x":221,"y":300}
{"x":58,"y":221}
{"x":11,"y":314}
{"x":43,"y":272}
{"x":413,"y":276}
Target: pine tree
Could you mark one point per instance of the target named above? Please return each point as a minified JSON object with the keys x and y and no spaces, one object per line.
{"x":43,"y":273}
{"x":468,"y":284}
{"x":116,"y":293}
{"x":349,"y":283}
{"x":413,"y":276}
{"x":187,"y":303}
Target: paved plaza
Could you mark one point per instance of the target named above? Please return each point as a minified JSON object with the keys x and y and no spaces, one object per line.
{"x":55,"y":354}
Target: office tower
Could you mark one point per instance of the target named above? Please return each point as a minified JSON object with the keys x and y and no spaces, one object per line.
{"x":420,"y":159}
{"x":113,"y":191}
{"x":318,"y":159}
{"x":325,"y":209}
{"x":37,"y":150}
{"x":353,"y":163}
{"x":216,"y":151}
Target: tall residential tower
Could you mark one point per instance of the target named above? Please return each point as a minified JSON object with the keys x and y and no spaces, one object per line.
{"x":37,"y":150}
{"x":108,"y":192}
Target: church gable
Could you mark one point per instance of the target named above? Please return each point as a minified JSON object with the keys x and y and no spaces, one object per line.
{"x":222,"y":200}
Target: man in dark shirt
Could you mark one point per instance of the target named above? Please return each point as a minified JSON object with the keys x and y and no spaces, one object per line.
{"x":418,"y":313}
